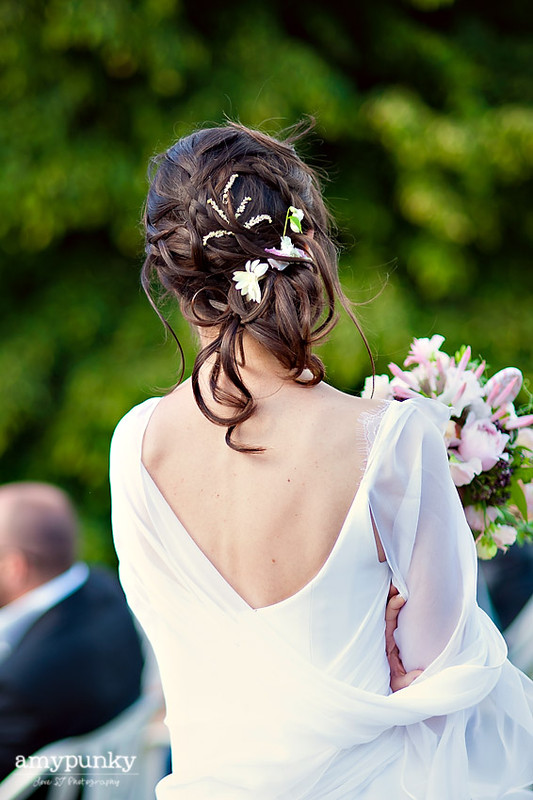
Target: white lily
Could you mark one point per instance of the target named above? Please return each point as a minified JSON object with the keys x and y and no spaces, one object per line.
{"x":247,"y":280}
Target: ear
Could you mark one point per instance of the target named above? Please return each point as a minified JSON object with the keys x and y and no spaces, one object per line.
{"x":16,"y":574}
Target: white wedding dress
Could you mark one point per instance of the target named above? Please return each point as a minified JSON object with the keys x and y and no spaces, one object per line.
{"x":292,"y":701}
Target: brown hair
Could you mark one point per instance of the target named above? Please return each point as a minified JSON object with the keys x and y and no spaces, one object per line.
{"x":297,"y":307}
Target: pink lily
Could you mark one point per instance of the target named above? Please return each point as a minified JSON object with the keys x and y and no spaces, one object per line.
{"x":403,"y":393}
{"x":505,"y":393}
{"x":440,"y":366}
{"x":403,"y":376}
{"x":493,"y":393}
{"x":459,"y":394}
{"x":499,"y":414}
{"x":495,"y":385}
{"x":463,"y":363}
{"x":480,"y":370}
{"x":520,"y":422}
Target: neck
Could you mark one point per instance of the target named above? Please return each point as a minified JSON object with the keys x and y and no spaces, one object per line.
{"x":260,"y":370}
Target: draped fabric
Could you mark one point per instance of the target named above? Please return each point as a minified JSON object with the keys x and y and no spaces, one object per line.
{"x":292,"y":702}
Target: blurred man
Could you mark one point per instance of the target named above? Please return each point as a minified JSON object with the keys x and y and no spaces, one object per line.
{"x":70,"y":657}
{"x":509,"y":579}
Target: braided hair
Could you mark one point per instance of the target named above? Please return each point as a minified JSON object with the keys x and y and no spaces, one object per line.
{"x":190,"y":184}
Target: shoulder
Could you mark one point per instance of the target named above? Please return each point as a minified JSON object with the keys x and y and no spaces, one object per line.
{"x":135,"y":418}
{"x":125,"y":454}
{"x":342,"y":419}
{"x":128,"y":433}
{"x":422,"y":414}
{"x":425,"y":422}
{"x":411,"y":435}
{"x":349,"y":406}
{"x":433,"y":412}
{"x":174,"y":425}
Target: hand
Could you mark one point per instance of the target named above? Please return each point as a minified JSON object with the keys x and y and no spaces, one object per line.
{"x":399,"y":678}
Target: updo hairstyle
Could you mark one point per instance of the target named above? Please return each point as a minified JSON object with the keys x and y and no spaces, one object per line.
{"x":297,"y":309}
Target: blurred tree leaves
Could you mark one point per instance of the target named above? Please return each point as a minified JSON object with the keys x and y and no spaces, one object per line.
{"x":424,"y":122}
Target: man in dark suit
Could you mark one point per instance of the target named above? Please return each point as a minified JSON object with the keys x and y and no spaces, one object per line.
{"x":509,"y":579}
{"x":70,"y":656}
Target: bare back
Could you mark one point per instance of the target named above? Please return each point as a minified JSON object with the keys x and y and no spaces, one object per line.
{"x":266,"y":521}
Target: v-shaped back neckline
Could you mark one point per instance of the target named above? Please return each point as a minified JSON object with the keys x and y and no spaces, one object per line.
{"x":211,"y":566}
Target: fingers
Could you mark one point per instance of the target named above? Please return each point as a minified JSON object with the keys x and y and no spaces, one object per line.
{"x":391,"y":619}
{"x":402,"y":681}
{"x":393,"y":607}
{"x":391,"y":648}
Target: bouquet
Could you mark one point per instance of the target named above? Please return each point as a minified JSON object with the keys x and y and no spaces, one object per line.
{"x":489,"y":441}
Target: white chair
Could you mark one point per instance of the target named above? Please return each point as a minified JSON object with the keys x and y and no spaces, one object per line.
{"x":130,"y":734}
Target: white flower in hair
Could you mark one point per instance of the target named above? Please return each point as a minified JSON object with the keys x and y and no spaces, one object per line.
{"x":295,"y":217}
{"x":247,"y":280}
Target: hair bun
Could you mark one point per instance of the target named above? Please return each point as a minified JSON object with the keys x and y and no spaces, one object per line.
{"x":228,"y":219}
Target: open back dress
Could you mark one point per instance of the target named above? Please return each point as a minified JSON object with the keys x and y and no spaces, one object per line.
{"x":292,"y":701}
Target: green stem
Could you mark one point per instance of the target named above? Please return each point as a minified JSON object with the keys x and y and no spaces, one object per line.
{"x":287,"y":215}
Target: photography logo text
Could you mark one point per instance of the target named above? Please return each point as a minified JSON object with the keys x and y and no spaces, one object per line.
{"x":79,"y":763}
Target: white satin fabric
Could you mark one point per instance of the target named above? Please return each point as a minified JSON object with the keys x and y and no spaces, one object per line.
{"x":292,"y":701}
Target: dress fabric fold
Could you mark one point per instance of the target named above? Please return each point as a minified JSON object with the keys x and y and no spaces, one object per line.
{"x":292,"y":701}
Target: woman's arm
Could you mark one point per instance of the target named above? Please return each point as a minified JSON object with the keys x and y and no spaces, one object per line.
{"x":428,"y":544}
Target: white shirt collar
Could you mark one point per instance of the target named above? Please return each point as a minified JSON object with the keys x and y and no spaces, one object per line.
{"x":16,"y":617}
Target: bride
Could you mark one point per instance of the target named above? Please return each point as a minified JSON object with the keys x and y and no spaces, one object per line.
{"x":261,"y":517}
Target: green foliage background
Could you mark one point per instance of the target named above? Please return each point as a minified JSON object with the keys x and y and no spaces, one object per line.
{"x":424,"y":123}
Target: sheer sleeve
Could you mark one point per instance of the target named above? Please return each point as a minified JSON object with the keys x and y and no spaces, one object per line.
{"x":477,"y":744}
{"x":427,"y":541}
